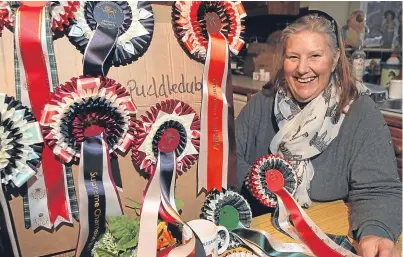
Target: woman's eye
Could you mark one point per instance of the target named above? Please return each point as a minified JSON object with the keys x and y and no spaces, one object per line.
{"x":316,"y":55}
{"x":292,"y":57}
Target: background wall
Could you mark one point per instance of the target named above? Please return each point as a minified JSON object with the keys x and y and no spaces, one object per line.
{"x":148,"y":81}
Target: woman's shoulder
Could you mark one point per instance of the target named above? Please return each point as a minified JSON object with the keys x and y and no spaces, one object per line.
{"x":364,"y":110}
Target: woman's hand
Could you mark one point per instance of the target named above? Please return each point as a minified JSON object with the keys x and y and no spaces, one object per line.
{"x":373,"y":246}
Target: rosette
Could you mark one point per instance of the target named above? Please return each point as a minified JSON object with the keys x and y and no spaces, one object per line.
{"x":21,"y":146}
{"x":62,"y":13}
{"x":256,"y":178}
{"x":134,"y":20}
{"x":229,"y":209}
{"x":180,"y":123}
{"x":74,"y":108}
{"x":86,"y":120}
{"x":209,"y":31}
{"x":189,"y":24}
{"x":239,"y":253}
{"x":6,"y":16}
{"x":21,"y":142}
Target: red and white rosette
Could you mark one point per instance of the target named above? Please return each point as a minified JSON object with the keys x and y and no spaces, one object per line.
{"x":273,"y":176}
{"x":208,"y":31}
{"x":64,"y":119}
{"x":256,"y":178}
{"x":189,"y":23}
{"x":170,"y":115}
{"x":86,"y":120}
{"x":62,"y":12}
{"x":6,"y":16}
{"x":166,"y":145}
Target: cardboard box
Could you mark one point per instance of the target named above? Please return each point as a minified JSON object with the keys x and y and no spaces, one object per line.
{"x":150,"y":80}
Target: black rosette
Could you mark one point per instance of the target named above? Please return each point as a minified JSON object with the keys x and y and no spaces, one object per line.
{"x":138,"y":18}
{"x":256,"y":178}
{"x":229,"y":209}
{"x":21,"y":142}
{"x":189,"y":25}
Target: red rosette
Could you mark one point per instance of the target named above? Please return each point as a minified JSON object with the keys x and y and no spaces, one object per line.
{"x":62,"y":13}
{"x":86,"y":106}
{"x":189,"y":24}
{"x":6,"y":16}
{"x":172,"y":124}
{"x":256,"y":178}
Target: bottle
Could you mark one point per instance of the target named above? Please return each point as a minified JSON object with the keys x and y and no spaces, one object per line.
{"x":358,"y":60}
{"x":393,"y":59}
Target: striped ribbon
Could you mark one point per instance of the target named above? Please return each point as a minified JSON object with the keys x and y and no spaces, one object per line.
{"x":40,"y":205}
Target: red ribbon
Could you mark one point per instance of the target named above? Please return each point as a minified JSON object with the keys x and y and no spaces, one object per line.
{"x":275,"y":182}
{"x":30,"y":25}
{"x":215,"y":148}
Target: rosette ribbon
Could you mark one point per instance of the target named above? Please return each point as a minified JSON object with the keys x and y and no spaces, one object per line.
{"x":208,"y":31}
{"x":231,"y":210}
{"x":34,"y":82}
{"x":21,"y":146}
{"x":111,"y":33}
{"x":87,"y":120}
{"x":166,"y":145}
{"x":275,"y":178}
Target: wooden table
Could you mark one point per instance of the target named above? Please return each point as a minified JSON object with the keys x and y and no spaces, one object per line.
{"x":331,"y":217}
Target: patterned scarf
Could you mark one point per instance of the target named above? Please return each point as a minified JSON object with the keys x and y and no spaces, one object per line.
{"x":306,"y":133}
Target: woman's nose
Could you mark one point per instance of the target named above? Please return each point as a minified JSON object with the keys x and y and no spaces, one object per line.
{"x":303,"y":67}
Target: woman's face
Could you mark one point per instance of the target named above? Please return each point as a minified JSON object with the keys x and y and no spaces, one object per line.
{"x":308,"y":65}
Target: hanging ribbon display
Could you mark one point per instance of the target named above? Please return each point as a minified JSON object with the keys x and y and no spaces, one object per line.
{"x":86,"y":120}
{"x":62,"y":13}
{"x":273,"y":181}
{"x":124,"y":27}
{"x":207,"y":31}
{"x":166,"y":145}
{"x":21,"y":146}
{"x":36,"y":79}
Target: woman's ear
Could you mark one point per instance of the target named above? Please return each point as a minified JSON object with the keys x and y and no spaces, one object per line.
{"x":336,"y":60}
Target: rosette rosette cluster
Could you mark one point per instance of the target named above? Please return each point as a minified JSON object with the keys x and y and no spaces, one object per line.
{"x":182,"y":125}
{"x":256,"y":178}
{"x":189,"y":24}
{"x":75,"y":109}
{"x":135,"y":31}
{"x":21,"y":142}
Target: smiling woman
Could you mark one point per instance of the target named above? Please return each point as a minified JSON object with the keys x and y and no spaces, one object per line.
{"x":319,"y":118}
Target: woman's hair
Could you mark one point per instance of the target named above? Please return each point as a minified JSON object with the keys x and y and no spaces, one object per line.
{"x":321,"y":23}
{"x":391,"y":13}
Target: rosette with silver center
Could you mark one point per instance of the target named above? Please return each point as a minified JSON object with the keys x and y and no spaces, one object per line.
{"x":189,"y":20}
{"x":229,"y":209}
{"x":136,"y":26}
{"x":76,"y":110}
{"x":256,"y":178}
{"x":21,"y":142}
{"x":171,"y":125}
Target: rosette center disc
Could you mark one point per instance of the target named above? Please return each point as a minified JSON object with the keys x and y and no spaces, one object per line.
{"x":213,"y":22}
{"x":274,"y":180}
{"x":108,"y":15}
{"x":169,"y":141}
{"x":229,"y":217}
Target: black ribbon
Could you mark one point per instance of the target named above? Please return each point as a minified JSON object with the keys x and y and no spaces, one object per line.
{"x":98,"y":50}
{"x":93,"y":161}
{"x":117,"y":178}
{"x":167,"y":167}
